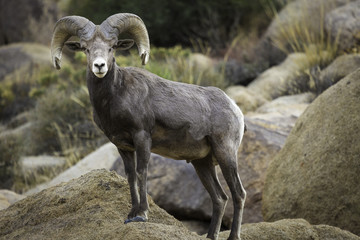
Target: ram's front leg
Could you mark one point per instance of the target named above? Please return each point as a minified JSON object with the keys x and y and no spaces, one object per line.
{"x":130,"y":170}
{"x":142,"y":143}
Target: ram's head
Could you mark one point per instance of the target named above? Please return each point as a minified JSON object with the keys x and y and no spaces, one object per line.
{"x":99,"y":41}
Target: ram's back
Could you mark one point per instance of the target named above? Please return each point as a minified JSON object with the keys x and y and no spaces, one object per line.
{"x":186,"y":115}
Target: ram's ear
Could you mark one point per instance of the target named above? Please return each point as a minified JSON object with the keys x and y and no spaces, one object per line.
{"x":124,"y":44}
{"x":75,"y":46}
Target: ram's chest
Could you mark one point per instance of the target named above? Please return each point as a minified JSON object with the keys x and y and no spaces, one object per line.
{"x":116,"y":121}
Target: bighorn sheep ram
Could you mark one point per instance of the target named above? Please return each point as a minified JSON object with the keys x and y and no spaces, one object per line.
{"x":141,"y":113}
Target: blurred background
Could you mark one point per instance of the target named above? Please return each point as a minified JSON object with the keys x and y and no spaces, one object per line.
{"x":191,"y":42}
{"x":273,"y":57}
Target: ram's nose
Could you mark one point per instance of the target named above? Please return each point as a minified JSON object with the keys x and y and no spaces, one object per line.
{"x":99,"y":67}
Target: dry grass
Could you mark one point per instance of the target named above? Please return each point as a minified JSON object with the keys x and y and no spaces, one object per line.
{"x":300,"y":32}
{"x":298,"y":35}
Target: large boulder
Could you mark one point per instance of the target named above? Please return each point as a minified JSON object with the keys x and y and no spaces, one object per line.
{"x":94,"y":206}
{"x":291,"y":229}
{"x":246,"y":99}
{"x":8,"y":197}
{"x":279,"y":80}
{"x":285,"y":107}
{"x":316,"y":174}
{"x":343,"y":25}
{"x":267,"y":130}
{"x":27,"y":21}
{"x":337,"y":70}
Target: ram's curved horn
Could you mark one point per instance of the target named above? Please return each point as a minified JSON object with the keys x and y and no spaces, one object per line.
{"x":119,"y":23}
{"x":65,"y":28}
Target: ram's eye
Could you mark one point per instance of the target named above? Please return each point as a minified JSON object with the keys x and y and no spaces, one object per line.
{"x":110,"y":49}
{"x":87,"y":50}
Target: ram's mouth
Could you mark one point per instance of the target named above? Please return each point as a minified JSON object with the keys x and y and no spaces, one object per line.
{"x":100,"y":74}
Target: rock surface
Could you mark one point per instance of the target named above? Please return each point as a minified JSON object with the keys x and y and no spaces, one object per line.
{"x":8,"y":197}
{"x":343,"y":25}
{"x":291,"y":229}
{"x":276,"y":81}
{"x":284,"y":110}
{"x":338,"y":69}
{"x":175,"y":186}
{"x":22,"y":58}
{"x":104,"y":157}
{"x":93,"y":206}
{"x":316,"y":174}
{"x":246,"y":99}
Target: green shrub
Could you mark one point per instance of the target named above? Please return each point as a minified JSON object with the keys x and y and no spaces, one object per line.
{"x":10,"y":150}
{"x":63,"y":113}
{"x":14,"y":96}
{"x":174,"y":64}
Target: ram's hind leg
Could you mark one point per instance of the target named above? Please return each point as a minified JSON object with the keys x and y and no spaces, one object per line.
{"x":225,"y":152}
{"x":206,"y":171}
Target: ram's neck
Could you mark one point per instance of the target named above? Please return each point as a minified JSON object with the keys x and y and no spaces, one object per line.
{"x":100,"y":88}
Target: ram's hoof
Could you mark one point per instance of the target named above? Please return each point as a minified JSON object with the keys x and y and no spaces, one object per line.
{"x":135,"y":219}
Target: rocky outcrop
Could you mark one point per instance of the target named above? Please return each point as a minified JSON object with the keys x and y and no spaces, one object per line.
{"x":285,"y":107}
{"x":104,"y":157}
{"x":291,"y":229}
{"x":278,"y":81}
{"x":246,"y":99}
{"x":8,"y":197}
{"x":316,"y":174}
{"x":343,"y":25}
{"x":337,"y":70}
{"x":94,"y":206}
